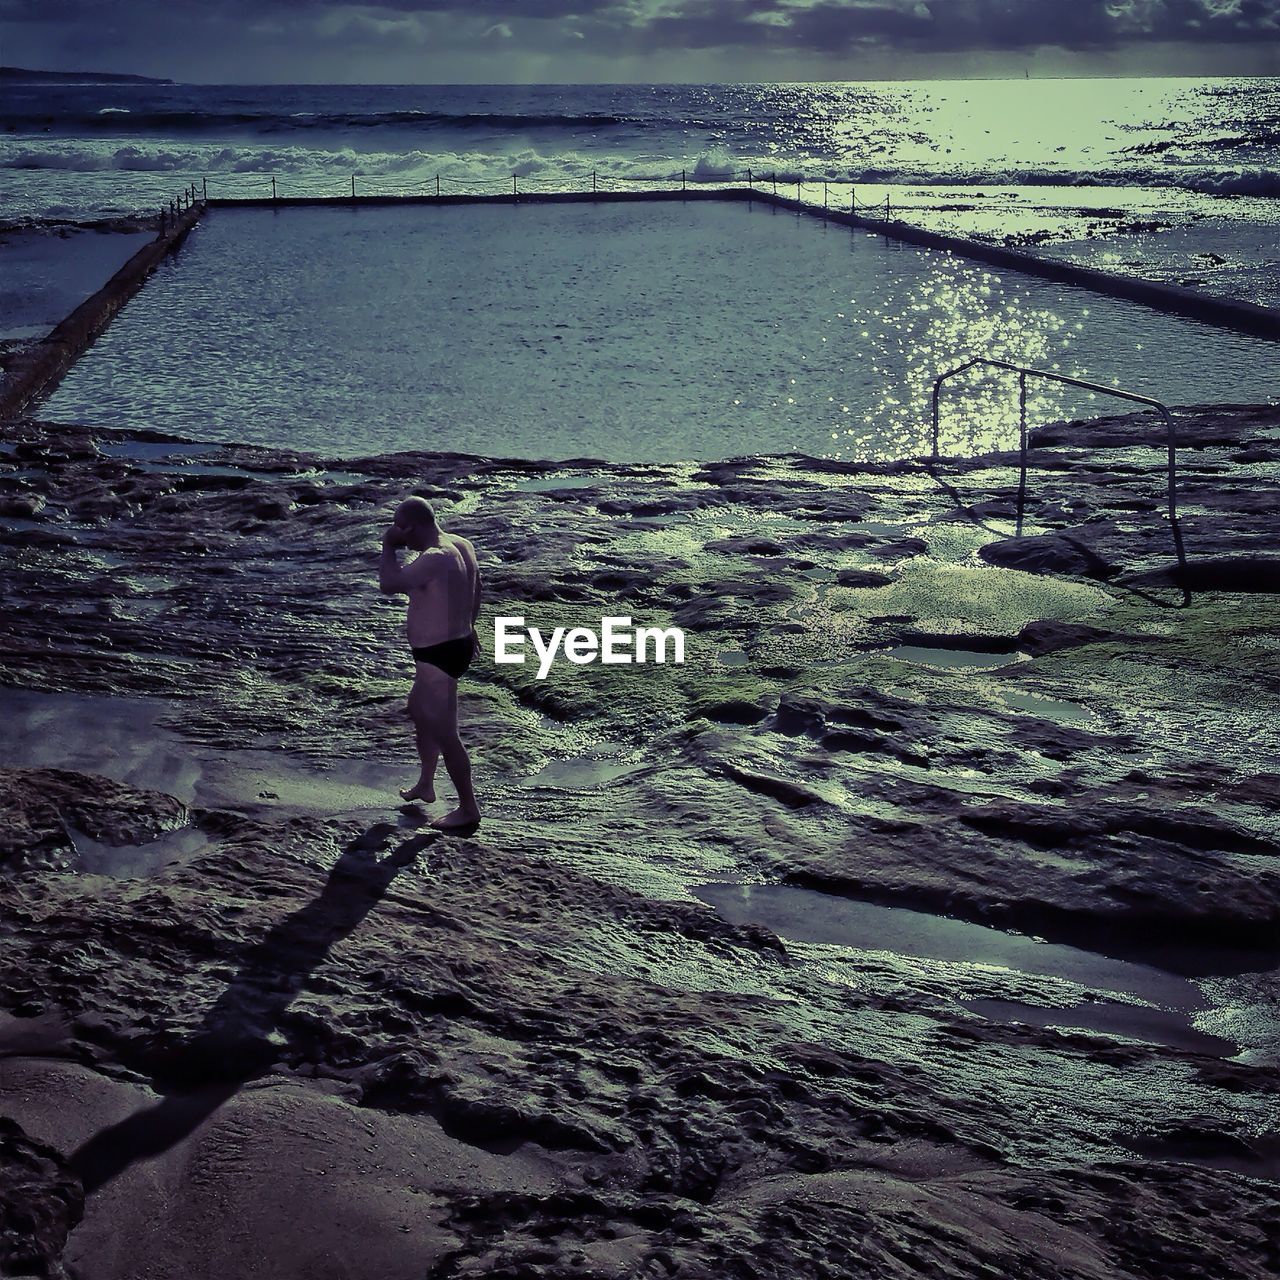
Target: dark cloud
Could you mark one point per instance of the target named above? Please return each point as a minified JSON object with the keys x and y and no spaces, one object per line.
{"x":841,"y":26}
{"x":640,"y":29}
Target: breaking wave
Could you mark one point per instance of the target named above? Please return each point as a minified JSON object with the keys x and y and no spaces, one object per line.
{"x":90,"y":157}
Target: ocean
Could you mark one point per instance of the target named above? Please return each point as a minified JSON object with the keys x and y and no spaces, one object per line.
{"x":1166,"y":179}
{"x":1174,"y":178}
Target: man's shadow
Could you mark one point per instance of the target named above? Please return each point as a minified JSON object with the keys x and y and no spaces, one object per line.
{"x":231,"y":1047}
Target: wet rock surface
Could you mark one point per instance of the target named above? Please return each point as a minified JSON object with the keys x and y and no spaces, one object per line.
{"x":532,"y":1051}
{"x":40,"y":810}
{"x":40,"y":1202}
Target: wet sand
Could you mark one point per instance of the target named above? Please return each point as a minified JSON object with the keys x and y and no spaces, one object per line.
{"x":286,"y":1027}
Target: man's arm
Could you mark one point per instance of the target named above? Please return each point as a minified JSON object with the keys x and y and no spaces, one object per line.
{"x":473,"y":577}
{"x":473,"y":581}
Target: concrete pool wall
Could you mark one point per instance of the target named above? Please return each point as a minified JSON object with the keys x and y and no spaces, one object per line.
{"x":37,"y":370}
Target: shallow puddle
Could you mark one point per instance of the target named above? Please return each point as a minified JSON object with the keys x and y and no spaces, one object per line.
{"x":549,"y":484}
{"x":809,"y":916}
{"x":1133,"y":1022}
{"x":805,"y":915}
{"x":1048,"y":708}
{"x":880,"y":527}
{"x":154,"y":450}
{"x":579,"y":773}
{"x":121,"y":738}
{"x":134,"y":861}
{"x":180,"y":468}
{"x":928,"y":656}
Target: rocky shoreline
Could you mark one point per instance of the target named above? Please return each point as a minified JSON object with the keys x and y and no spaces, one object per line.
{"x":269,"y":1021}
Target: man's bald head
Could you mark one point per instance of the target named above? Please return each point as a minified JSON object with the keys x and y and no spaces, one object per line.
{"x":415,"y":513}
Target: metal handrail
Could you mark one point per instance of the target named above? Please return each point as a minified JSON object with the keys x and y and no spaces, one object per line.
{"x":1023,"y":373}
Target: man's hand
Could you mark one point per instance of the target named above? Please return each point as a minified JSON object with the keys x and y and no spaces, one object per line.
{"x":390,"y":576}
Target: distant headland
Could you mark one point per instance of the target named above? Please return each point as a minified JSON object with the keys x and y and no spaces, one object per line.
{"x":24,"y":75}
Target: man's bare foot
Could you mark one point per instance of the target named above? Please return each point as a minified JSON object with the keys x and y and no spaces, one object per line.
{"x":423,"y":791}
{"x":458,"y":818}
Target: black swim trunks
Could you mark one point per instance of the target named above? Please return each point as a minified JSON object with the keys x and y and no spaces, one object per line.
{"x":453,"y":657}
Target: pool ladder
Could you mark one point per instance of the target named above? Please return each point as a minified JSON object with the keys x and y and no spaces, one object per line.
{"x":1024,"y":372}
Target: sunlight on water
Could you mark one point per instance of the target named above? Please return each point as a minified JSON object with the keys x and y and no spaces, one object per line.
{"x":957,"y":308}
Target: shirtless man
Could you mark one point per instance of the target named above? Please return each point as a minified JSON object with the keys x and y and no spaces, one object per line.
{"x":443,"y":586}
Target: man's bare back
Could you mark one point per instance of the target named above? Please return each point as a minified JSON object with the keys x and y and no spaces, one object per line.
{"x":442,"y":591}
{"x":443,"y":586}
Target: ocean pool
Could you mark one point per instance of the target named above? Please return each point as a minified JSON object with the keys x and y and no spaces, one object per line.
{"x":629,"y":332}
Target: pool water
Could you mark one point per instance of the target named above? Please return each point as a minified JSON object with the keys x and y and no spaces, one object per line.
{"x":629,"y":332}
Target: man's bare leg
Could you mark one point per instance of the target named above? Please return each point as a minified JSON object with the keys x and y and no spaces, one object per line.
{"x":420,"y":713}
{"x":458,"y":765}
{"x":457,"y":762}
{"x":436,"y":698}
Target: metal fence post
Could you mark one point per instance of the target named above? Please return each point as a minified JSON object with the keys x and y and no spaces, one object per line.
{"x":824,"y":195}
{"x":513,"y":185}
{"x":204,"y":188}
{"x":1022,"y":448}
{"x":437,"y":186}
{"x":775,"y":184}
{"x":937,"y":388}
{"x":273,"y":187}
{"x":593,"y":180}
{"x":682,"y":179}
{"x":797,"y":191}
{"x":353,"y":186}
{"x":1022,"y":415}
{"x":751,"y":185}
{"x":886,"y":206}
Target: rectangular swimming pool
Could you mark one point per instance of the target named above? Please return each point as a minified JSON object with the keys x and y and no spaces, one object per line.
{"x":629,"y":332}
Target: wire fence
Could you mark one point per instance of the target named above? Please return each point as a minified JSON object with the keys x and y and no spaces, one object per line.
{"x":187,"y":199}
{"x":978,"y":215}
{"x":821,"y":192}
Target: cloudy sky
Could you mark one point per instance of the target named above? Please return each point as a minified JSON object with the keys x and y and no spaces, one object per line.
{"x":501,"y":41}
